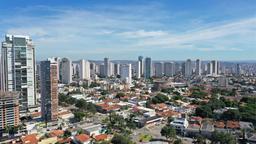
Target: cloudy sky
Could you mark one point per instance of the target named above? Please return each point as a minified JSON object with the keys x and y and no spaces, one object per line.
{"x":125,"y":29}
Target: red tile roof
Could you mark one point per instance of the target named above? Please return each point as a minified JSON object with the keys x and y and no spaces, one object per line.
{"x":30,"y":139}
{"x":82,"y":137}
{"x":56,"y":133}
{"x":101,"y":137}
{"x":219,"y":124}
{"x":64,"y":141}
{"x":233,"y":124}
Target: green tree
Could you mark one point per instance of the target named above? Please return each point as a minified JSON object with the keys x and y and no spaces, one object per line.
{"x":231,"y":115}
{"x":119,"y":95}
{"x":200,"y":140}
{"x":67,"y":134}
{"x":168,"y":132}
{"x":121,"y":139}
{"x":79,"y":115}
{"x":223,"y":138}
{"x":204,"y":111}
{"x":178,"y":141}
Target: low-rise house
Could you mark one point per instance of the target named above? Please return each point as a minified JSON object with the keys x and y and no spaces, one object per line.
{"x":233,"y":125}
{"x":148,"y":121}
{"x":192,"y":130}
{"x":93,"y":130}
{"x":50,"y":140}
{"x":180,"y":124}
{"x":246,"y":125}
{"x":82,"y":139}
{"x":30,"y":139}
{"x":207,"y":128}
{"x":56,"y":133}
{"x":102,"y":137}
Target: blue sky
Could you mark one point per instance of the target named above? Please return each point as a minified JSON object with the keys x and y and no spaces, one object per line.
{"x":125,"y":29}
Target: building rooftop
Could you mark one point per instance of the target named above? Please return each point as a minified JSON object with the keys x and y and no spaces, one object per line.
{"x":82,"y":138}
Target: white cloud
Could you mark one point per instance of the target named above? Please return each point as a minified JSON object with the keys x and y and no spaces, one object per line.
{"x":82,"y":32}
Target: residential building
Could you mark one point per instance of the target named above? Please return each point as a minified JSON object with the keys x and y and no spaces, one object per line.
{"x":126,"y":73}
{"x":116,"y":69}
{"x":159,"y":69}
{"x":66,"y":70}
{"x":18,"y":69}
{"x":9,"y":109}
{"x":138,"y":69}
{"x":106,"y":67}
{"x":49,"y":91}
{"x":198,"y":67}
{"x":148,"y":68}
{"x":84,"y":70}
{"x":169,"y":69}
{"x":140,"y":58}
{"x":188,"y":68}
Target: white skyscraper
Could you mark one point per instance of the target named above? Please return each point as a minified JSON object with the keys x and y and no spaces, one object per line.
{"x":159,"y":69}
{"x":169,"y":69}
{"x":66,"y":70}
{"x":140,"y":58}
{"x":126,"y":73}
{"x":198,"y":67}
{"x":84,"y":70}
{"x":188,"y":68}
{"x":138,"y":69}
{"x":18,"y":69}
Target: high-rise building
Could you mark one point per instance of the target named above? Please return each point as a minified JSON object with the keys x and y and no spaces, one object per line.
{"x":138,"y":69}
{"x":102,"y":70}
{"x":159,"y":69}
{"x":49,"y":91}
{"x":148,"y":68}
{"x":198,"y":67}
{"x":215,"y":67}
{"x":106,"y":67}
{"x":188,"y":68}
{"x":85,"y":70}
{"x":238,"y":69}
{"x":9,"y":109}
{"x":209,"y":68}
{"x":116,"y":69}
{"x":66,"y":70}
{"x":126,"y":73}
{"x":140,"y":58}
{"x":169,"y":69}
{"x":58,"y":61}
{"x":111,"y":69}
{"x":18,"y":69}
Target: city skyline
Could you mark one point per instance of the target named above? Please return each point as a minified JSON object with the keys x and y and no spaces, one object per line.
{"x":160,"y":30}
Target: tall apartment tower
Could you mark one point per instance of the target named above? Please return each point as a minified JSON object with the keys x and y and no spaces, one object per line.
{"x":106,"y":67}
{"x":140,"y":58}
{"x":9,"y":109}
{"x":209,"y":68}
{"x":66,"y":70}
{"x":148,"y":68}
{"x":18,"y":69}
{"x":138,"y":69}
{"x":159,"y":69}
{"x":126,"y":73}
{"x":198,"y":67}
{"x":188,"y":68}
{"x":85,"y":70}
{"x":49,"y":91}
{"x":169,"y":69}
{"x":116,"y":69}
{"x":215,"y":67}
